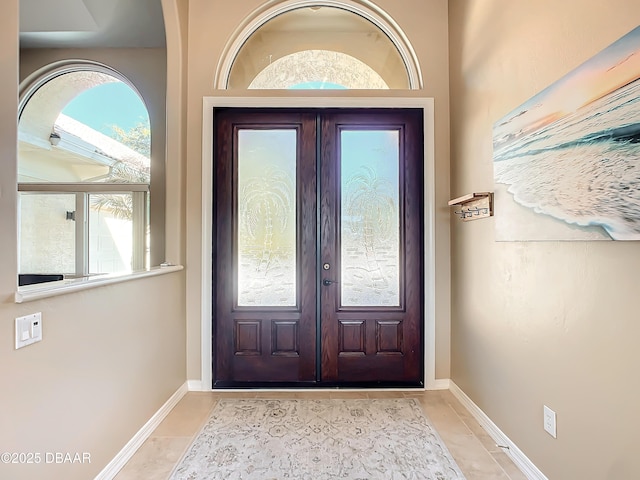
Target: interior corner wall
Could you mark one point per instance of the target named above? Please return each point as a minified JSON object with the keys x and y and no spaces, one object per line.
{"x":539,"y":323}
{"x":110,"y":356}
{"x":175,"y":14}
{"x":211,"y":25}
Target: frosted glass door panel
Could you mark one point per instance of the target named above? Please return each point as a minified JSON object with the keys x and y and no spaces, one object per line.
{"x":370,"y":218}
{"x":266,"y":240}
{"x":47,"y":238}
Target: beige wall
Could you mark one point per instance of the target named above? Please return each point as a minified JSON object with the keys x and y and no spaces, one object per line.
{"x":540,"y":323}
{"x":111,"y":356}
{"x":211,"y":25}
{"x":109,"y":359}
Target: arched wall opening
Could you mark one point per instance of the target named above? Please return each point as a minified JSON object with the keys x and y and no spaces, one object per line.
{"x":84,"y":172}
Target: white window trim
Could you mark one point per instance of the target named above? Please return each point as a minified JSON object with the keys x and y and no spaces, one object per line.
{"x":363,"y":8}
{"x":30,"y":293}
{"x":47,"y":73}
{"x":318,"y":101}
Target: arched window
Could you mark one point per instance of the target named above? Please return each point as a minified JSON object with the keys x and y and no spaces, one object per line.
{"x":319,"y":45}
{"x":84,"y":175}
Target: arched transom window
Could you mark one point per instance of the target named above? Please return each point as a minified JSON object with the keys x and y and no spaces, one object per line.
{"x":319,"y":46}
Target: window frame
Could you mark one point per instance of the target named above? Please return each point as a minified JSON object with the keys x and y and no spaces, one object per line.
{"x":139,"y":192}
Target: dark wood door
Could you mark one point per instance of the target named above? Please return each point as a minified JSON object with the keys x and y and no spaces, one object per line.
{"x":371,"y":210}
{"x":317,"y":247}
{"x":265,"y":247}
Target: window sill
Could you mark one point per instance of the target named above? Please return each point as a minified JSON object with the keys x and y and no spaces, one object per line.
{"x":29,"y":293}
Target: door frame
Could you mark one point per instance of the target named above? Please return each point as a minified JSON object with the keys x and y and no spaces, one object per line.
{"x":318,"y":102}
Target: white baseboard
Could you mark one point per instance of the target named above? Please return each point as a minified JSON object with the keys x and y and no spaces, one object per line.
{"x":196,"y":386}
{"x":123,"y":456}
{"x":439,"y":384}
{"x":520,"y":459}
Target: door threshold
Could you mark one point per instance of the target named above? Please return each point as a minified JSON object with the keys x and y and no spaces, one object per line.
{"x":318,"y":386}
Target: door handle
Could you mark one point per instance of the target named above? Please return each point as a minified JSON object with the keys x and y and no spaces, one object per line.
{"x":326,"y":282}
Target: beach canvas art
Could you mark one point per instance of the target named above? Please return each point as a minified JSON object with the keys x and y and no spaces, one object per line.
{"x":567,"y":161}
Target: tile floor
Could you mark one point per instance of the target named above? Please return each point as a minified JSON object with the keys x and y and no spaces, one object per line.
{"x":471,"y":447}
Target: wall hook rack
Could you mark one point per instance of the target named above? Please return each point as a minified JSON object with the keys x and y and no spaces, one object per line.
{"x":474,"y":206}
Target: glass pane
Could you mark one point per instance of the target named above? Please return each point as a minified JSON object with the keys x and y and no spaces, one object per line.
{"x":318,"y":70}
{"x":110,"y":232}
{"x":266,"y":217}
{"x":370,"y":218}
{"x":47,"y":238}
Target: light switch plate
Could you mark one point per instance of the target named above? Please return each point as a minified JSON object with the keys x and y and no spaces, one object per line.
{"x":28,"y":329}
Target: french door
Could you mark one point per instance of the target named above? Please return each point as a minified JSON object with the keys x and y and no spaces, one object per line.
{"x":317,"y":254}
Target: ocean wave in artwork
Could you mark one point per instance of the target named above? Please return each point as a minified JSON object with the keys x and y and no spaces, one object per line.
{"x":583,"y":168}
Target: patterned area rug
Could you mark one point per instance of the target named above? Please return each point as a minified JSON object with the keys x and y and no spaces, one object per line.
{"x":317,"y":440}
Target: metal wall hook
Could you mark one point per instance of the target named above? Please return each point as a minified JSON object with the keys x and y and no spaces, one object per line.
{"x":474,"y":206}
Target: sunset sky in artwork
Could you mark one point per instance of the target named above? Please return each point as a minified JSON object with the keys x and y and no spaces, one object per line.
{"x":612,"y":68}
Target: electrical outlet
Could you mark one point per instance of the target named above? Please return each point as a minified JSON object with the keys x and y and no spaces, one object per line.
{"x":28,"y":329}
{"x":550,"y":421}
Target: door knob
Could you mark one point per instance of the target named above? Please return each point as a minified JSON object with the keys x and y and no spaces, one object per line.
{"x":326,"y":282}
